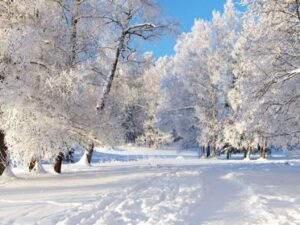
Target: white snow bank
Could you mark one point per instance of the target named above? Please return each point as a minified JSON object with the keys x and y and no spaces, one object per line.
{"x":38,"y":168}
{"x":7,"y":175}
{"x":83,"y":161}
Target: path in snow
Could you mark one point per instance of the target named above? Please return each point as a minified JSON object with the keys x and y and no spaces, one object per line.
{"x":156,"y":194}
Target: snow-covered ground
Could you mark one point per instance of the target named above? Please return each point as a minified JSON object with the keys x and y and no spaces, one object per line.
{"x":160,"y":188}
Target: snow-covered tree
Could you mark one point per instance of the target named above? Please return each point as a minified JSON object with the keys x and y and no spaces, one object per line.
{"x":203,"y":64}
{"x":55,"y":59}
{"x":280,"y":88}
{"x":131,"y":20}
{"x":39,"y":88}
{"x":266,"y":97}
{"x":23,"y":50}
{"x":153,"y":101}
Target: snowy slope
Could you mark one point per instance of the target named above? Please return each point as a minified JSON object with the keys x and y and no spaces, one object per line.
{"x":161,"y":191}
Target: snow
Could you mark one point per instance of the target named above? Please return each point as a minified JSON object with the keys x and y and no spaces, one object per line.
{"x":7,"y":175}
{"x":173,"y":190}
{"x":38,"y":168}
{"x":295,"y":71}
{"x":131,"y":153}
{"x":83,"y":161}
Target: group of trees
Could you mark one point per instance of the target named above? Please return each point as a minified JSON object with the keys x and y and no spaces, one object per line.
{"x":204,"y":64}
{"x":71,"y":74}
{"x":265,"y":97}
{"x":234,"y":80}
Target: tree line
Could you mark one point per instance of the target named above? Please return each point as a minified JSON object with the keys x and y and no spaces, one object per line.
{"x":233,"y":83}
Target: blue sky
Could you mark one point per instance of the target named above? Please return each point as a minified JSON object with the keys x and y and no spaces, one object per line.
{"x":185,"y":12}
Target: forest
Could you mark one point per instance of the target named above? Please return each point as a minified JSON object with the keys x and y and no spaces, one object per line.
{"x":74,"y":73}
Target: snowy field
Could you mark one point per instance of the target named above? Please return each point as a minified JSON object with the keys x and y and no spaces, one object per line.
{"x":155,"y":188}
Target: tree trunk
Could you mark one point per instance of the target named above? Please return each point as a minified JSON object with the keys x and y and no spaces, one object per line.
{"x":245,"y":152}
{"x":248,"y":155}
{"x":208,"y":151}
{"x":297,"y":8}
{"x":58,"y":161}
{"x":265,"y":148}
{"x":202,"y":151}
{"x":263,"y":152}
{"x":74,"y":33}
{"x":228,"y":153}
{"x":214,"y":151}
{"x":3,"y":153}
{"x":215,"y":121}
{"x":89,"y":152}
{"x":32,"y":163}
{"x":259,"y":150}
{"x":113,"y":71}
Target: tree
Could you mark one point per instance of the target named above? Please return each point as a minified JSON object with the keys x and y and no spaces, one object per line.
{"x":55,"y":64}
{"x":204,"y":65}
{"x":38,"y":82}
{"x":152,"y":99}
{"x":131,"y":19}
{"x":266,"y":94}
{"x":26,"y":98}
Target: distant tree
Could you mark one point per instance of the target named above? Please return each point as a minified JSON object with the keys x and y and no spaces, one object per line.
{"x":203,"y":65}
